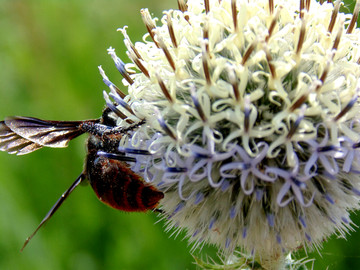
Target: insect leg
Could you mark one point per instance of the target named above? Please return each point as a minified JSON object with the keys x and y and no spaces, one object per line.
{"x":120,"y":157}
{"x":55,"y":207}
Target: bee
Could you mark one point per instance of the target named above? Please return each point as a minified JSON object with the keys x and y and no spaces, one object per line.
{"x":106,"y":167}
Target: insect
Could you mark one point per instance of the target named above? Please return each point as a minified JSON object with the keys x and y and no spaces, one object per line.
{"x":106,"y":167}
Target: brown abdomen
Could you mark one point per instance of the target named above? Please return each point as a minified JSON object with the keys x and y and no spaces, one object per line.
{"x":118,"y":186}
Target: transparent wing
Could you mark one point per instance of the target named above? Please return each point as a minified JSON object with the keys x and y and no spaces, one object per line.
{"x":15,"y":144}
{"x":23,"y":135}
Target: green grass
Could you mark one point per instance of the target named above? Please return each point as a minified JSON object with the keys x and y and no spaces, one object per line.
{"x":49,"y":53}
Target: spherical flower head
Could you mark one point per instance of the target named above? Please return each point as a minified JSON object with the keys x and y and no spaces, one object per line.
{"x":246,"y":115}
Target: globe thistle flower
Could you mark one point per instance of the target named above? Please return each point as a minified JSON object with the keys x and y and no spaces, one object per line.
{"x":247,"y":117}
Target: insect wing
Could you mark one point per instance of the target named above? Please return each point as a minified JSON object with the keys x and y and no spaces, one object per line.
{"x":23,"y":135}
{"x":15,"y":144}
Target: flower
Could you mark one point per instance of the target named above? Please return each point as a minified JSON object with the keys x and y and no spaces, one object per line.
{"x":247,"y":116}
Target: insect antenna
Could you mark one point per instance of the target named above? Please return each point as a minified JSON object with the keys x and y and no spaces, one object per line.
{"x":55,"y":207}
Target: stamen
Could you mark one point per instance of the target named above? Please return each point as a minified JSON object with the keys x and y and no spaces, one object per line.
{"x":338,"y":36}
{"x":295,"y":126}
{"x":232,"y":212}
{"x":270,"y":219}
{"x":247,"y":110}
{"x":179,"y":207}
{"x":182,"y":5}
{"x":121,"y":102}
{"x":259,"y":194}
{"x":301,"y":37}
{"x":138,"y":63}
{"x":109,"y":83}
{"x":329,"y":198}
{"x":325,"y":71}
{"x":171,"y":29}
{"x":165,"y":50}
{"x":319,"y":186}
{"x":206,"y":33}
{"x":176,"y":170}
{"x":302,"y":221}
{"x":183,"y":8}
{"x":327,"y":148}
{"x":199,"y":198}
{"x":356,"y":145}
{"x":225,"y":186}
{"x":278,"y":239}
{"x":205,"y":57}
{"x":273,"y":23}
{"x":202,"y":156}
{"x":355,"y":191}
{"x":164,"y":89}
{"x":195,"y":233}
{"x":227,"y":242}
{"x":149,"y":23}
{"x":197,"y":104}
{"x":298,"y":183}
{"x":234,"y":14}
{"x":334,"y":15}
{"x":345,"y":220}
{"x":346,"y":184}
{"x":308,"y":5}
{"x":164,"y":126}
{"x":248,"y":52}
{"x":269,"y":61}
{"x":299,"y":102}
{"x":354,"y":18}
{"x":120,"y":65}
{"x":314,"y":86}
{"x":207,"y":6}
{"x":234,"y":83}
{"x":112,"y":106}
{"x":128,"y":42}
{"x":212,"y":223}
{"x":271,"y":6}
{"x":347,"y":107}
{"x":244,"y":233}
{"x":301,"y":9}
{"x":324,"y":74}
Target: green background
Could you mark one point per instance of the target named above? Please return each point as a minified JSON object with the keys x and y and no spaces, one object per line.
{"x":49,"y":53}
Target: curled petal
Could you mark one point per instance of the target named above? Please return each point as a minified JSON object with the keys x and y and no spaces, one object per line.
{"x":311,"y":164}
{"x":198,"y":172}
{"x":247,"y":183}
{"x":330,"y":167}
{"x":282,"y":193}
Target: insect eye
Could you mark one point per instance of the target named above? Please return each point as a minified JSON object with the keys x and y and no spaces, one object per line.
{"x":107,"y":119}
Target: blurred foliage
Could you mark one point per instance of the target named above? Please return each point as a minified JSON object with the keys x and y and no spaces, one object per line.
{"x":49,"y":53}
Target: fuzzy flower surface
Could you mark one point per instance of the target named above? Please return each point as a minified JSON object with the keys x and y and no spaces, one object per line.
{"x":247,"y":117}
